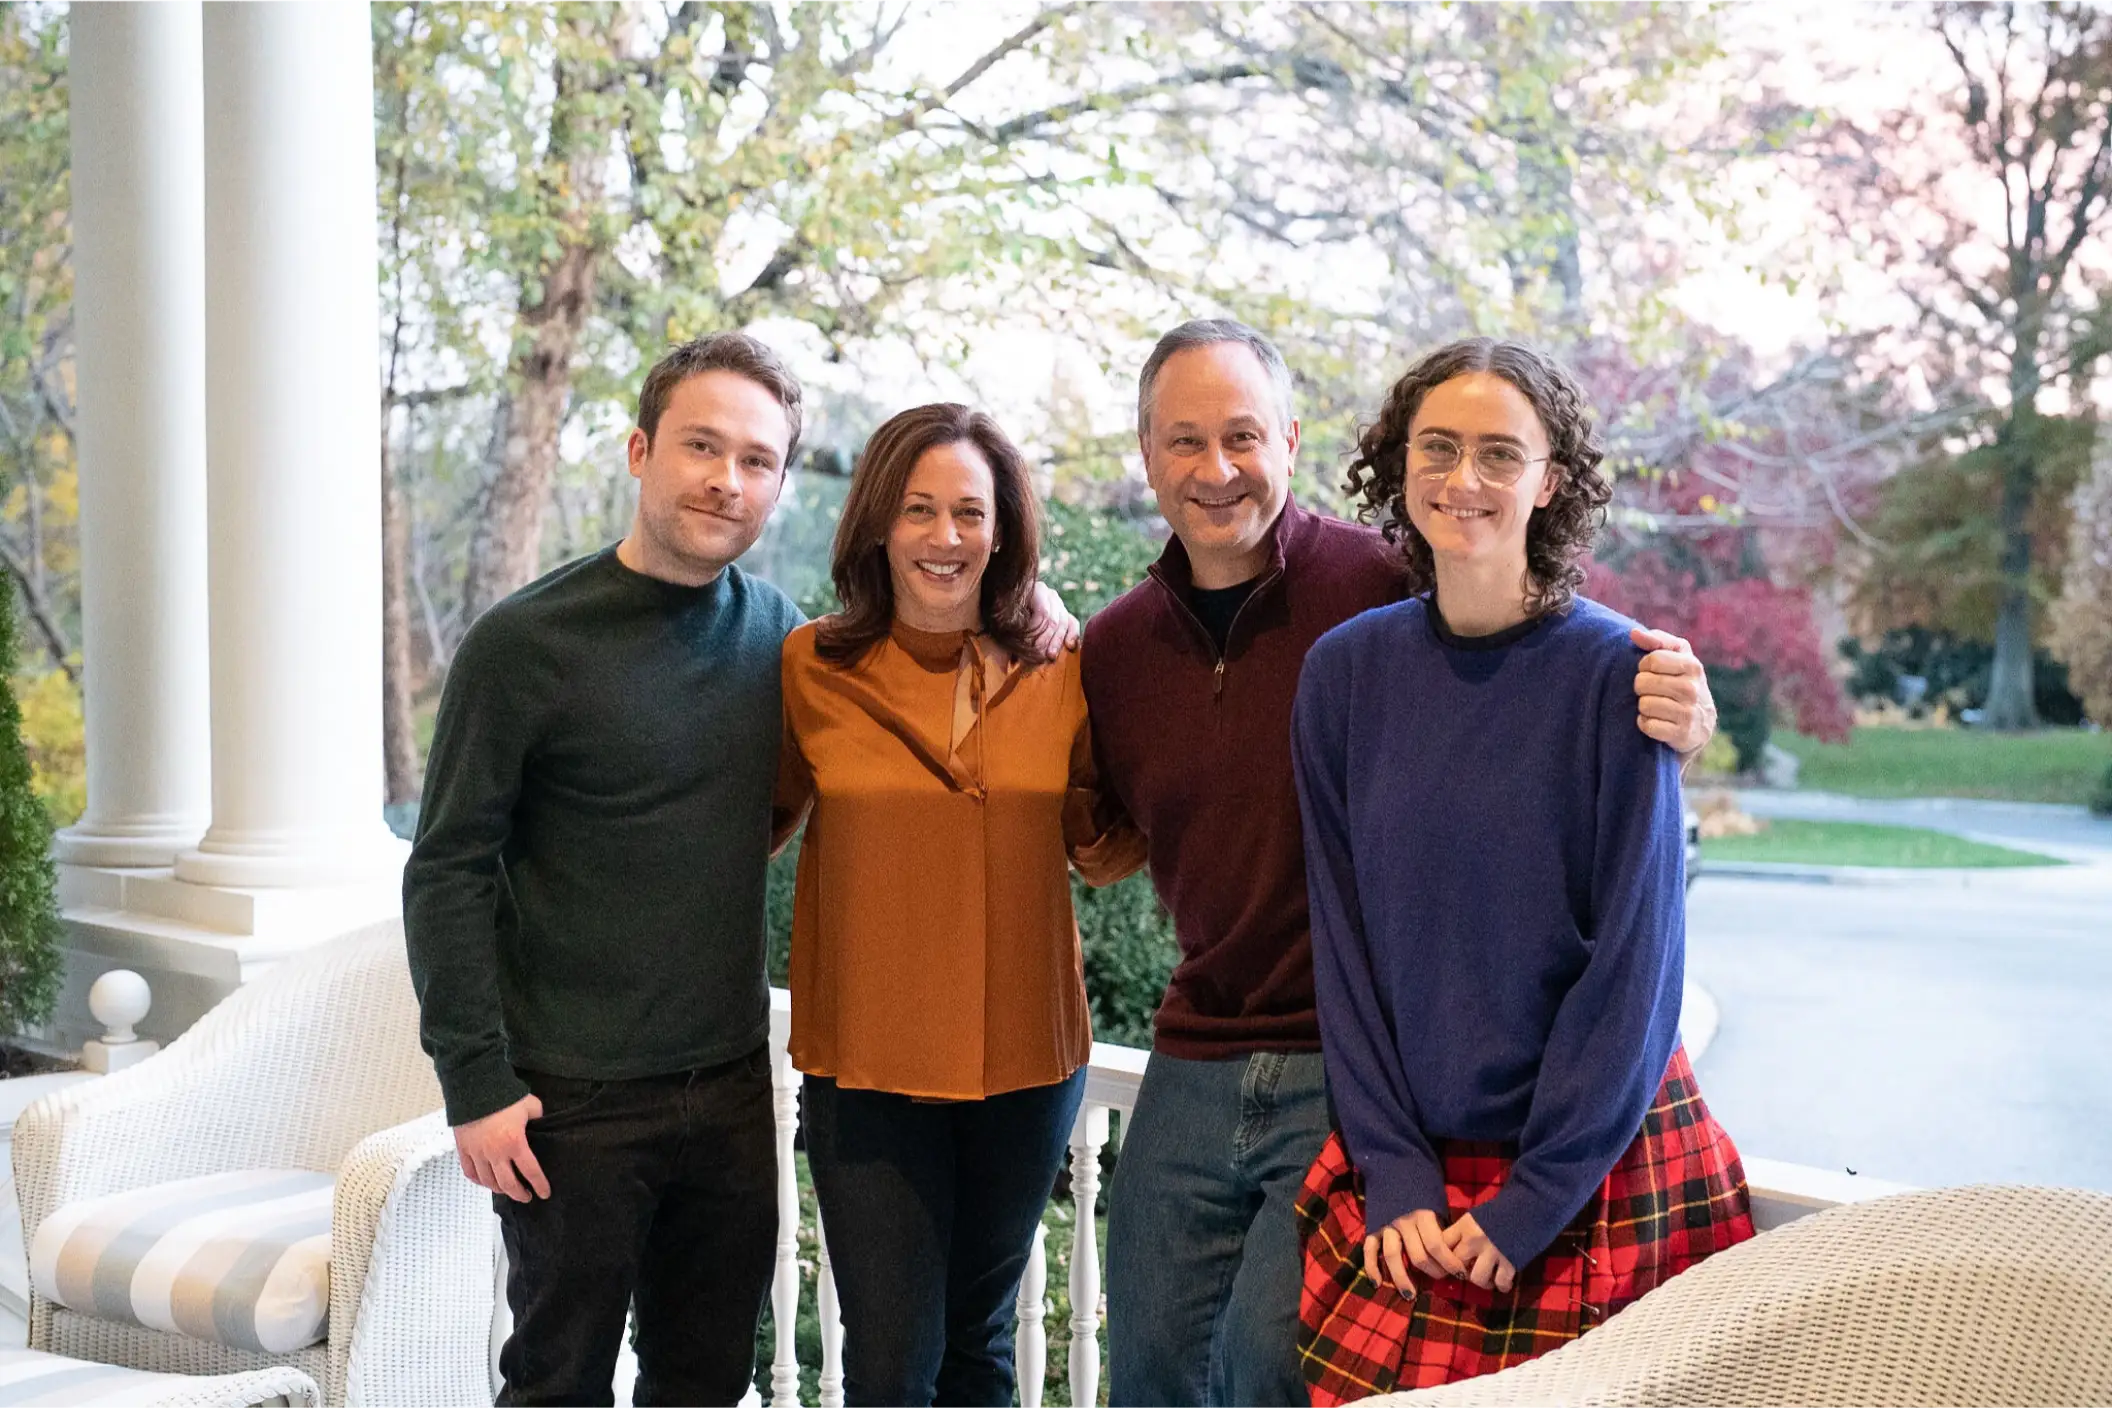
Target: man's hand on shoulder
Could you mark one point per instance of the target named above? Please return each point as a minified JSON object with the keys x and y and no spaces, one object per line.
{"x":495,"y":1154}
{"x":1055,"y":628}
{"x":1673,"y":704}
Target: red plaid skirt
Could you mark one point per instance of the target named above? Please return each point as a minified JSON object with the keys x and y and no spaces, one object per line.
{"x":1676,"y":1196}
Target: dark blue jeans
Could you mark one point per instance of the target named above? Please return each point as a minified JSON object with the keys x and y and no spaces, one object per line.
{"x":663,"y":1196}
{"x":930,"y":1211}
{"x":1203,"y":1260}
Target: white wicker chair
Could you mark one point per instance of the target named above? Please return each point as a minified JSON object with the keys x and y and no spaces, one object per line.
{"x":315,"y":1065}
{"x":30,"y":1377}
{"x":1958,"y":1296}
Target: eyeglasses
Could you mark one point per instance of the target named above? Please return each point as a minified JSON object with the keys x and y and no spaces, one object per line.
{"x":1498,"y":463}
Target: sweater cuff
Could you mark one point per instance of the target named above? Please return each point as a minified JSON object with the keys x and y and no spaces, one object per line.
{"x":1521,"y":1225}
{"x":485,"y":1086}
{"x":1396,"y":1187}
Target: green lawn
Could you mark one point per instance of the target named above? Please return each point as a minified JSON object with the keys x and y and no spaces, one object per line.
{"x":2051,"y":765}
{"x":1860,"y":843}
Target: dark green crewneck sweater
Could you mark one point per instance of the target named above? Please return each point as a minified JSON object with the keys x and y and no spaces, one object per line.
{"x":585,"y":896}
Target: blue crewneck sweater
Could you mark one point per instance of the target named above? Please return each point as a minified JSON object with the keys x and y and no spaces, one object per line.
{"x":1496,"y":865}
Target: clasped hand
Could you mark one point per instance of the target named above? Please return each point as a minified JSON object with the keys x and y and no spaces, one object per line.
{"x":1417,"y":1239}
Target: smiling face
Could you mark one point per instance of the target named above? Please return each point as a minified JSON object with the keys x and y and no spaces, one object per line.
{"x":1466,"y":520}
{"x":1219,"y":456}
{"x":942,"y":538}
{"x":708,"y":476}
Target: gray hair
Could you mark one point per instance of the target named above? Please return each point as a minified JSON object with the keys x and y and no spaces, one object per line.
{"x":1210,"y":332}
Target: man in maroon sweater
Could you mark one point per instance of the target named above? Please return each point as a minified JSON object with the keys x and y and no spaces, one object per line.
{"x":1189,"y":678}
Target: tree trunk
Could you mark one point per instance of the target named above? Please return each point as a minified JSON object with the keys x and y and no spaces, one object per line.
{"x":2009,"y":687}
{"x":399,"y":744}
{"x":2009,"y":694}
{"x":509,"y":540}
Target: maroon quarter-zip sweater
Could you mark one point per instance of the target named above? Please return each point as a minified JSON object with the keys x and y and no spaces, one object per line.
{"x":1197,"y":748}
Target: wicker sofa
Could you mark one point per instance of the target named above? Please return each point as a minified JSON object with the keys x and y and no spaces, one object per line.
{"x":314,"y":1066}
{"x":1988,"y":1295}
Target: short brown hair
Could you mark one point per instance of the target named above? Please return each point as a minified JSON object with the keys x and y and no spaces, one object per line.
{"x":1557,"y":536}
{"x":734,"y":352}
{"x":864,"y":584}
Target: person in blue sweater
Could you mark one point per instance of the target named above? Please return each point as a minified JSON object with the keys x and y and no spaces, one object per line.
{"x":1495,"y":859}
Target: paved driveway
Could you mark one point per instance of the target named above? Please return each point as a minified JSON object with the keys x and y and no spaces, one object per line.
{"x":1930,"y":1033}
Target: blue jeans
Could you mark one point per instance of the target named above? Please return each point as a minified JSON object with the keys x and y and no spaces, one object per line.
{"x":930,"y":1211}
{"x":1203,"y":1259}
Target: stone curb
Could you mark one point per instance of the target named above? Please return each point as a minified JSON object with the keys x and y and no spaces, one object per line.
{"x":1864,"y":874}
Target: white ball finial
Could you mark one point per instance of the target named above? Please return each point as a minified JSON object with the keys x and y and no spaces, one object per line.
{"x":119,"y":1000}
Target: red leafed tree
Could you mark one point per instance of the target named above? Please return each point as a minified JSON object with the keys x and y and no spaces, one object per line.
{"x":1758,"y":637}
{"x":1731,"y":493}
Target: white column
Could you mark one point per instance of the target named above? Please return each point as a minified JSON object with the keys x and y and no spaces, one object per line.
{"x":293,"y":436}
{"x":139,"y":332}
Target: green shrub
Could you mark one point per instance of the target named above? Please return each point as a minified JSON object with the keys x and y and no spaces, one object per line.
{"x":29,"y":910}
{"x":1744,"y":711}
{"x":1091,"y":556}
{"x":1955,"y":671}
{"x":2101,"y":800}
{"x":777,"y":911}
{"x":1129,"y":954}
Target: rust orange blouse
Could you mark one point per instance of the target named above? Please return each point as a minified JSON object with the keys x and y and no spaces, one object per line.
{"x":934,"y":952}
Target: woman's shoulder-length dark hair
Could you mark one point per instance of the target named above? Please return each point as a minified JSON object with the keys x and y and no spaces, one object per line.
{"x":864,"y":585}
{"x":1557,"y":536}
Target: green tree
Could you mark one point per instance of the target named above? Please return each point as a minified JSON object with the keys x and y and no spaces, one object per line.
{"x":600,"y":180}
{"x":1401,"y":174}
{"x":29,"y":910}
{"x":38,"y":500}
{"x":1989,"y":208}
{"x":2082,"y":616}
{"x":1942,"y":526}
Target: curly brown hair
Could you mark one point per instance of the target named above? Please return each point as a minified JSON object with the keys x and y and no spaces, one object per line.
{"x":1556,"y":536}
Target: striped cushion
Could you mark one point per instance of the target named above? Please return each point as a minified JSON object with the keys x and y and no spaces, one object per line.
{"x":29,"y":1376}
{"x":241,"y":1259}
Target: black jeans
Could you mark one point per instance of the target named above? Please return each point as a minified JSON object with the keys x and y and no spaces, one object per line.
{"x":663,"y":1192}
{"x":930,"y":1211}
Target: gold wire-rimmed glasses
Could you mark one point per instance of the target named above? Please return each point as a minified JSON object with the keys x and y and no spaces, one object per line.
{"x":1498,"y":462}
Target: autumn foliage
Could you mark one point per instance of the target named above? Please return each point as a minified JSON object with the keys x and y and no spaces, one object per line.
{"x":1722,"y":522}
{"x":2082,"y":617}
{"x":1735,"y":624}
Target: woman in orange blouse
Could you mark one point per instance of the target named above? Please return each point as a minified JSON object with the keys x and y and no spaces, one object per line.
{"x":938,"y":997}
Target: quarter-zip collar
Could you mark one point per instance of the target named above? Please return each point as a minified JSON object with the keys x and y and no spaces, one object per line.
{"x":1175,"y":573}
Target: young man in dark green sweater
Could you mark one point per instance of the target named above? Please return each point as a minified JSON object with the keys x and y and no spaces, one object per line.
{"x":584,"y":908}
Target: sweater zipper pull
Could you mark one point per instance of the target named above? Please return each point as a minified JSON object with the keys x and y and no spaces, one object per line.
{"x":1217,"y":689}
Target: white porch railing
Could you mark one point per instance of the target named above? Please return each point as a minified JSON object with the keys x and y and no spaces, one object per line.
{"x":1110,"y":1085}
{"x":1781,"y":1193}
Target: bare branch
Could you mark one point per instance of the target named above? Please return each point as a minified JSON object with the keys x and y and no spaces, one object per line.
{"x":1011,"y":44}
{"x":434,"y":395}
{"x":1026,"y":124}
{"x":55,"y":403}
{"x":40,"y":614}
